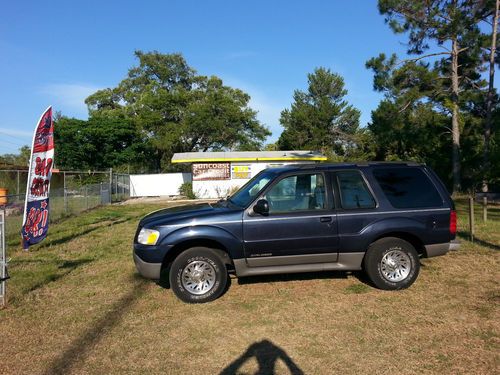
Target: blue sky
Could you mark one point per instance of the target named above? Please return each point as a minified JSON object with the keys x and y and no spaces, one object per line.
{"x":58,"y":52}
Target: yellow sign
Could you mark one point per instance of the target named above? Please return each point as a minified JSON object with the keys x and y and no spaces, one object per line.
{"x":241,"y":172}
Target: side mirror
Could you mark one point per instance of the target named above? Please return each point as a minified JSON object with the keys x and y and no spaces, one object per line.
{"x":261,"y":207}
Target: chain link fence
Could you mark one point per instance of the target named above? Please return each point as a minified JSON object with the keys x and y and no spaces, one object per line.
{"x":71,"y":192}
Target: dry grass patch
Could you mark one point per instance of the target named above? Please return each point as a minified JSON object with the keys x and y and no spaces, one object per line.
{"x":93,"y":314}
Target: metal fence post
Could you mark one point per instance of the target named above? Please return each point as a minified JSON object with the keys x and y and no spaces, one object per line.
{"x":485,"y":208}
{"x":111,"y":185}
{"x":18,"y":192}
{"x":3,"y":259}
{"x":86,"y":197}
{"x":471,"y":218}
{"x":64,"y":193}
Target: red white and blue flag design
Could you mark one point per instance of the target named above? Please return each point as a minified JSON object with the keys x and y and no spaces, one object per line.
{"x":36,"y":207}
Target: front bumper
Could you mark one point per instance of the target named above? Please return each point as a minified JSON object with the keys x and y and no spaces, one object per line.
{"x":147,"y":270}
{"x":438,"y":249}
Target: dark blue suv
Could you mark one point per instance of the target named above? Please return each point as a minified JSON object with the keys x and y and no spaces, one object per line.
{"x":376,"y":217}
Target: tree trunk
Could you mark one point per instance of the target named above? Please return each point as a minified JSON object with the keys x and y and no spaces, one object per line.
{"x":455,"y":128}
{"x":489,"y":101}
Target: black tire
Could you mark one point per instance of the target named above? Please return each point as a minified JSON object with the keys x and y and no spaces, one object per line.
{"x":182,"y":275}
{"x":392,"y":263}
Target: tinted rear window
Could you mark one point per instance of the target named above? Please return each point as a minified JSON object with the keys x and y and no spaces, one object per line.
{"x":407,"y":187}
{"x":353,"y":191}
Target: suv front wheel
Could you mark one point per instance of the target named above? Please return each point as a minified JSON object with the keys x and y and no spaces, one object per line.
{"x":392,"y":263}
{"x":198,"y":275}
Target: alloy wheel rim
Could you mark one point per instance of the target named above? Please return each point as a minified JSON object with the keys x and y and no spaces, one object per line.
{"x":395,"y":265}
{"x":198,"y":277}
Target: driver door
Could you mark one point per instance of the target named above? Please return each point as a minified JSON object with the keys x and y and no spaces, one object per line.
{"x":301,"y":226}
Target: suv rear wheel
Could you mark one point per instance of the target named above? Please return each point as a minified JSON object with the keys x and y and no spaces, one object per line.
{"x":198,"y":275}
{"x":392,"y":263}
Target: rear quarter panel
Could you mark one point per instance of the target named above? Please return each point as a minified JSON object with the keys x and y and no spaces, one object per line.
{"x":359,"y":228}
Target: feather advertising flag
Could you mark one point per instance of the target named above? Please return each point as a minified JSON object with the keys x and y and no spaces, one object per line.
{"x":36,"y":206}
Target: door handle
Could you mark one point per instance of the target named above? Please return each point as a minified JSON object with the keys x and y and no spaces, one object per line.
{"x":325,"y":219}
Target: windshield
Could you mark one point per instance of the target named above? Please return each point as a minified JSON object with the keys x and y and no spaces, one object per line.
{"x":251,"y":189}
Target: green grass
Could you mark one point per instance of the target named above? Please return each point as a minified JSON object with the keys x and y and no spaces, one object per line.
{"x":75,"y":205}
{"x":41,"y":264}
{"x":357,"y":289}
{"x":77,"y":305}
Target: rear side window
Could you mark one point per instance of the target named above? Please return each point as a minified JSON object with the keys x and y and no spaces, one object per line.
{"x":407,"y":187}
{"x":353,"y":191}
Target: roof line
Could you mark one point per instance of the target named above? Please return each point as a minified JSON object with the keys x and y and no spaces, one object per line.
{"x":284,"y":158}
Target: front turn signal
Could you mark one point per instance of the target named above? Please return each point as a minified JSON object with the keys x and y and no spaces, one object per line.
{"x":148,"y":236}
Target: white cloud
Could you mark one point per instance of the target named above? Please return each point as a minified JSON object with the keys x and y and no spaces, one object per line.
{"x":69,"y":97}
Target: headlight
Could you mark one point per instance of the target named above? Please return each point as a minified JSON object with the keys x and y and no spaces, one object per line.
{"x":148,"y":236}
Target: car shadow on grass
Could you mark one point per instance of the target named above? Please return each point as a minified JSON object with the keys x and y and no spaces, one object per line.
{"x":79,"y":349}
{"x":164,"y":281}
{"x":266,"y":354}
{"x":262,"y":279}
{"x":285,"y":277}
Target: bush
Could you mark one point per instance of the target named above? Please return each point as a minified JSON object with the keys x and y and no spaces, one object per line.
{"x":186,"y":189}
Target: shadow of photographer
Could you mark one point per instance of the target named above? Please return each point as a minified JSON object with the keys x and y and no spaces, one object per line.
{"x":267,"y":355}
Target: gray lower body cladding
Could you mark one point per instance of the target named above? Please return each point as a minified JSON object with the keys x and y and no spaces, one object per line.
{"x":438,"y":249}
{"x":296,"y":263}
{"x":147,"y":270}
{"x":345,"y":262}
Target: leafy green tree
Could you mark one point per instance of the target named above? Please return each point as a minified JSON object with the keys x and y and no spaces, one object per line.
{"x":418,"y":133}
{"x":16,"y":160}
{"x":99,"y":143}
{"x":413,"y":123}
{"x":271,"y":147}
{"x":450,"y":25}
{"x":179,"y":111}
{"x":321,"y":118}
{"x":491,"y":16}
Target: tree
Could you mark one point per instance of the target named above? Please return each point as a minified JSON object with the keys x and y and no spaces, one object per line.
{"x":412,"y":122}
{"x":179,"y":111}
{"x":16,"y":160}
{"x":491,"y":93}
{"x":99,"y":143}
{"x":448,"y":24}
{"x":321,"y":118}
{"x":418,"y":133}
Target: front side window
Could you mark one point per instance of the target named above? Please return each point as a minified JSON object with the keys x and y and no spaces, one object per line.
{"x":353,"y":191}
{"x":302,"y":192}
{"x":407,"y":187}
{"x":251,"y":189}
